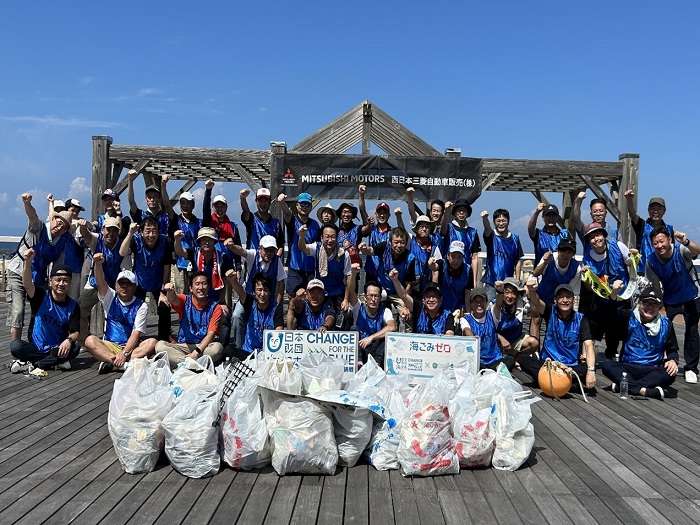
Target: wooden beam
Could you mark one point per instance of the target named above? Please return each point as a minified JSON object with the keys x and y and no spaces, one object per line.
{"x":243,"y":174}
{"x":174,"y":199}
{"x":489,"y":180}
{"x":366,"y":127}
{"x":553,"y":167}
{"x":567,"y":203}
{"x":598,"y":191}
{"x":100,"y":171}
{"x":124,"y":182}
{"x":629,"y":181}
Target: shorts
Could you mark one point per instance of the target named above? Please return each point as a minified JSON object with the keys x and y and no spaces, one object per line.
{"x":15,"y":297}
{"x":113,"y":347}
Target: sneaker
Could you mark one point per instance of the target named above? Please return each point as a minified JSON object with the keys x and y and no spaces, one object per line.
{"x":655,"y":393}
{"x":21,"y":367}
{"x":614,"y":388}
{"x":104,"y":368}
{"x":691,"y":377}
{"x":64,"y":366}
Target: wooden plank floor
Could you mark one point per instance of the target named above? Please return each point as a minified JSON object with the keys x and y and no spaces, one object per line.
{"x":610,"y":461}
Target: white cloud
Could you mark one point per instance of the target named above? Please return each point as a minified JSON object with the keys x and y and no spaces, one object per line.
{"x":143,"y":92}
{"x":72,"y":122}
{"x":4,"y":198}
{"x":87,"y":80}
{"x":79,"y":189}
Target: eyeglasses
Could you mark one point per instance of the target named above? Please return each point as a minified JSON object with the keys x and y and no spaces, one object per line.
{"x":304,"y":204}
{"x":650,"y":303}
{"x":373,"y":295}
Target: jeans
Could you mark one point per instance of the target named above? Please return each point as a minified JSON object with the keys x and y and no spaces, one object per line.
{"x":26,"y":351}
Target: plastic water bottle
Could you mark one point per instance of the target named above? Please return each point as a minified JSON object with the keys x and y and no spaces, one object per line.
{"x":624,"y":388}
{"x":340,"y":319}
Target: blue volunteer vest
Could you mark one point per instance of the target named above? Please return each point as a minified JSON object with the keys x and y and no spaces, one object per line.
{"x":352,"y":236}
{"x":551,"y":278}
{"x":112,"y":263}
{"x":501,"y":257}
{"x":613,"y":265}
{"x":437,"y":326}
{"x":271,"y":272}
{"x":466,"y":235}
{"x":547,"y":242}
{"x":259,"y":229}
{"x":51,"y":323}
{"x":387,"y":264}
{"x":257,"y":322}
{"x":162,"y":218}
{"x":194,"y":324}
{"x":561,"y":340}
{"x":148,"y":264}
{"x":74,"y":254}
{"x":120,"y":320}
{"x":367,"y":324}
{"x":676,"y":279}
{"x":190,"y":229}
{"x":421,"y":256}
{"x":372,"y":262}
{"x":45,"y":254}
{"x":312,"y":321}
{"x":640,"y":347}
{"x":334,"y":281}
{"x":489,"y":351}
{"x":510,"y":326}
{"x":453,"y":287}
{"x":300,"y":261}
{"x":645,"y":246}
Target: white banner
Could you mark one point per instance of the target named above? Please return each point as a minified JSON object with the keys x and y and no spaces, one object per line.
{"x":295,"y":344}
{"x":422,"y":356}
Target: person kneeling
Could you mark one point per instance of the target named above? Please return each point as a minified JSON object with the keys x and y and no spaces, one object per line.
{"x":650,"y":349}
{"x":200,"y":319}
{"x":125,"y":321}
{"x":480,"y":322}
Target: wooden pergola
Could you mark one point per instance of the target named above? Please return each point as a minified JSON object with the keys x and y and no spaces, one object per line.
{"x":366,"y":124}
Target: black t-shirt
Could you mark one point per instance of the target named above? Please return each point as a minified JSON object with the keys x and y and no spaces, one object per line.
{"x":584,"y":331}
{"x":38,"y":298}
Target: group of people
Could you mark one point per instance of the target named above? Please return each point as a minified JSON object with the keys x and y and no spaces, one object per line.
{"x":343,"y":274}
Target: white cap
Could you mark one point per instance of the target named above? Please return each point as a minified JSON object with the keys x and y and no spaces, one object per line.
{"x":219,"y":198}
{"x":58,"y":204}
{"x":316,"y":283}
{"x":268,"y":241}
{"x":457,"y":246}
{"x":73,"y":202}
{"x":187,"y":196}
{"x":128,"y":275}
{"x":262,"y":192}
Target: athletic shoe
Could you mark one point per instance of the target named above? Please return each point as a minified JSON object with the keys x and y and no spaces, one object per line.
{"x":656,"y":393}
{"x":64,"y":366}
{"x":691,"y":377}
{"x":104,"y":368}
{"x":614,"y":388}
{"x":18,"y":366}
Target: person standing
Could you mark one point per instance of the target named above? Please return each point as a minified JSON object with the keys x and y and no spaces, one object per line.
{"x":301,"y":266}
{"x":503,"y":251}
{"x":545,"y":239}
{"x":642,"y":228}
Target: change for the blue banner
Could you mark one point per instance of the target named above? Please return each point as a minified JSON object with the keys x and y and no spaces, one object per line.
{"x":386,"y":177}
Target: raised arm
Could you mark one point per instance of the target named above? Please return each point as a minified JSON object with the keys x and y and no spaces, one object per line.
{"x":576,"y":211}
{"x":125,"y":248}
{"x":413,"y":212}
{"x":692,"y":246}
{"x":133,"y":207}
{"x":234,"y":248}
{"x":29,"y":209}
{"x":27,"y":281}
{"x":206,"y":203}
{"x":286,"y":210}
{"x":245,"y":210}
{"x":400,"y":290}
{"x":165,"y":198}
{"x":542,"y":266}
{"x":361,"y":204}
{"x":631,"y":207}
{"x":177,"y":243}
{"x":488,"y":231}
{"x":234,"y":278}
{"x":535,"y":302}
{"x":446,"y":217}
{"x":399,"y":218}
{"x":532,"y":223}
{"x":102,"y":287}
{"x":352,"y":293}
{"x":301,"y":241}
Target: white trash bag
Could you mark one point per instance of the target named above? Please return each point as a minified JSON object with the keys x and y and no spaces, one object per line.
{"x":515,"y":435}
{"x":384,"y":443}
{"x":353,"y":429}
{"x":301,"y":437}
{"x":474,"y":433}
{"x":191,"y":374}
{"x":282,"y":376}
{"x":140,"y":400}
{"x":244,"y":437}
{"x":191,"y":439}
{"x":321,"y":373}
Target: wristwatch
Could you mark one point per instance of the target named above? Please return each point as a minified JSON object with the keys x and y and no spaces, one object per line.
{"x":591,"y":368}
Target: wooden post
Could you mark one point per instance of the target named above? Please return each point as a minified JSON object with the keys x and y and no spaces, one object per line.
{"x":630,"y":181}
{"x":101,"y":171}
{"x":279,"y":148}
{"x":567,"y":203}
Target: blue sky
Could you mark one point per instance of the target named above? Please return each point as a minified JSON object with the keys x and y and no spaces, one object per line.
{"x":512,"y":79}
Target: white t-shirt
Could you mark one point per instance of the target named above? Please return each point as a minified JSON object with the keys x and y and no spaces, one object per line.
{"x":141,"y":320}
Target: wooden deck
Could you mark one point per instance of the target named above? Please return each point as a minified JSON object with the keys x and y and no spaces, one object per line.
{"x":612,"y":461}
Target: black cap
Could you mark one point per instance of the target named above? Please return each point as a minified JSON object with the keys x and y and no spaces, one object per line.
{"x":650,"y":293}
{"x":476,"y":292}
{"x":432,"y":287}
{"x":153,"y":187}
{"x":550,"y":208}
{"x":60,"y":269}
{"x":564,"y":287}
{"x":567,"y":243}
{"x":462,"y":202}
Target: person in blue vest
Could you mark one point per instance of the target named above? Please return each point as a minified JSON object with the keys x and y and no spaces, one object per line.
{"x":125,"y":321}
{"x":370,"y":318}
{"x":599,"y":214}
{"x":200,"y":320}
{"x":261,"y":311}
{"x":153,"y":256}
{"x":208,"y":255}
{"x":558,"y":268}
{"x":545,"y":239}
{"x":642,"y":228}
{"x":261,"y":223}
{"x":435,"y":210}
{"x":431,"y":318}
{"x":264,"y":259}
{"x":480,"y":322}
{"x":567,"y":336}
{"x":503,"y":251}
{"x":73,"y":254}
{"x":106,"y":242}
{"x":670,"y":266}
{"x":609,"y":261}
{"x":508,"y":310}
{"x":649,"y":352}
{"x":53,"y":338}
{"x":301,"y":267}
{"x":187,"y":223}
{"x":153,"y":203}
{"x":113,"y":208}
{"x":310,"y":310}
{"x":350,"y":234}
{"x":458,"y":229}
{"x":425,"y":245}
{"x":395,"y":255}
{"x":47,"y":240}
{"x":454,"y":276}
{"x":331,"y":265}
{"x":379,"y":229}
{"x":326,"y":215}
